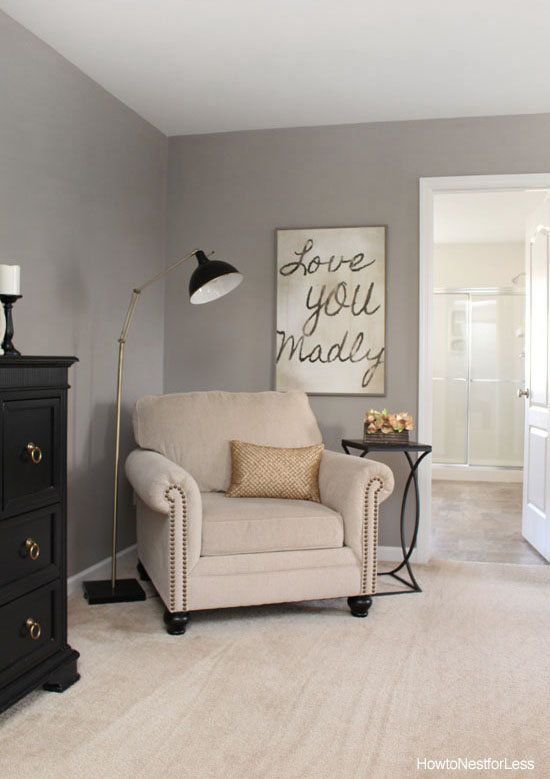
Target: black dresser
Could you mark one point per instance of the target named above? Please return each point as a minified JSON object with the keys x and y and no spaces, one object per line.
{"x":33,"y":576}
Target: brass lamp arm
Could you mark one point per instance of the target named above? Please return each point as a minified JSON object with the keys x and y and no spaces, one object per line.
{"x":121,"y":341}
{"x":138,"y":290}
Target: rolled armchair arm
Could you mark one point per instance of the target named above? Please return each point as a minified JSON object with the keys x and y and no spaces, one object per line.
{"x":171,"y":491}
{"x":151,"y":475}
{"x":355,"y":487}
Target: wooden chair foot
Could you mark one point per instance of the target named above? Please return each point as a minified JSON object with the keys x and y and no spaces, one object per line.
{"x":176,"y":622}
{"x":359,"y":605}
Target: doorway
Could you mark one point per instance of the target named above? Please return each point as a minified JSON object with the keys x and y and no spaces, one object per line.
{"x":472,"y":297}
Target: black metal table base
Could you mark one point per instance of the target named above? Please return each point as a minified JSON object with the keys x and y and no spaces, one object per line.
{"x":424,"y":450}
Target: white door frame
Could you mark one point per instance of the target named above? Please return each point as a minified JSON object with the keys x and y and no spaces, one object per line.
{"x":428,"y":188}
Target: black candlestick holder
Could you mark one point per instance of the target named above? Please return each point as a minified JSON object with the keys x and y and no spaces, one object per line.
{"x":7,"y":346}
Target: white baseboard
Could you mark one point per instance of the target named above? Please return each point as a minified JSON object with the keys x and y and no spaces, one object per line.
{"x":394,"y":554}
{"x":471,"y":473}
{"x":101,"y":570}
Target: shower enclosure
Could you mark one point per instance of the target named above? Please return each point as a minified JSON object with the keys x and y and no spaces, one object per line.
{"x":478,"y":366}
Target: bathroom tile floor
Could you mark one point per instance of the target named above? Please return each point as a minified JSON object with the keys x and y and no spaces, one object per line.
{"x":480,"y":522}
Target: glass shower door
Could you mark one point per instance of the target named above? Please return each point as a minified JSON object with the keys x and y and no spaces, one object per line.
{"x":478,"y":349}
{"x":496,"y":373}
{"x":450,"y":383}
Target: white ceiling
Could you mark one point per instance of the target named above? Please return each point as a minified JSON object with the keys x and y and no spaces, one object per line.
{"x":197,"y":66}
{"x":484,"y":217}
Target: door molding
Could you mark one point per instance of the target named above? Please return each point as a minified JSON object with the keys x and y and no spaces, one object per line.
{"x":428,"y":188}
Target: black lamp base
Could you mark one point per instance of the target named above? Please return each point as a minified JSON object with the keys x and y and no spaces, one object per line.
{"x":124,"y":591}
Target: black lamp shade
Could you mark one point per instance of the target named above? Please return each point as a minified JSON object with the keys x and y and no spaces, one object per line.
{"x":212,"y":279}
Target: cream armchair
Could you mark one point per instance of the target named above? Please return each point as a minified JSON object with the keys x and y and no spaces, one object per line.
{"x":202,"y":550}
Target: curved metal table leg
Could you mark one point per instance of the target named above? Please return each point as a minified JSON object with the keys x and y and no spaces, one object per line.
{"x":412,"y":584}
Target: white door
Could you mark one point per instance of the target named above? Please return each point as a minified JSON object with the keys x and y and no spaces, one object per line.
{"x":536,"y":474}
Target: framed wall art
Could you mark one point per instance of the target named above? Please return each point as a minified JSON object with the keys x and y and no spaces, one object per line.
{"x":331,"y":310}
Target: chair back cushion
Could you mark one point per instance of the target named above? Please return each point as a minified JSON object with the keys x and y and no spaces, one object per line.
{"x":193,"y":429}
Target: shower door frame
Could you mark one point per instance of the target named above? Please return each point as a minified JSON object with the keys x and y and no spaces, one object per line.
{"x":473,"y":292}
{"x":428,"y":189}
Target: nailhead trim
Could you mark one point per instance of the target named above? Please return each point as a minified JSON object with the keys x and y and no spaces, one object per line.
{"x":172,"y":501}
{"x":365,"y":536}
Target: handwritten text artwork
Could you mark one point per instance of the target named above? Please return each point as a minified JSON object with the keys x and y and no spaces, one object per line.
{"x":331,"y":310}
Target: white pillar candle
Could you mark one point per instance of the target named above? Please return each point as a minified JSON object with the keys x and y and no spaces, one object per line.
{"x":10,"y":280}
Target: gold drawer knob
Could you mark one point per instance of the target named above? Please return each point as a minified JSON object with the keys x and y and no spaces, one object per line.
{"x":35,"y":452}
{"x":34,"y":628}
{"x":32,"y":548}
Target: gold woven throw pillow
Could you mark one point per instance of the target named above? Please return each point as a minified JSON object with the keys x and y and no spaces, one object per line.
{"x":274,"y":472}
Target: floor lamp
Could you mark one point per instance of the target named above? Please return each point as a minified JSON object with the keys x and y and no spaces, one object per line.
{"x":210,"y":280}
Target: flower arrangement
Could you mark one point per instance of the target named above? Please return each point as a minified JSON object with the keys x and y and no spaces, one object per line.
{"x":381,"y":424}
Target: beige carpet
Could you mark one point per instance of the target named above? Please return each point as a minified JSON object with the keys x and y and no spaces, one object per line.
{"x":304,"y":690}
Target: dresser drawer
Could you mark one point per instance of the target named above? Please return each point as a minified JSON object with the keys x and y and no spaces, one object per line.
{"x":31,"y":630}
{"x":29,"y":544}
{"x":31,"y":451}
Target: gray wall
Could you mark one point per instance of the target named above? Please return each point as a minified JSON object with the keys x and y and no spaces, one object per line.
{"x":230,"y":191}
{"x":82,"y":206}
{"x":82,"y":209}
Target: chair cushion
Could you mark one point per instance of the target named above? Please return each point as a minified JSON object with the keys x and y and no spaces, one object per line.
{"x":274,"y":471}
{"x":245,"y":525}
{"x":193,"y":429}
